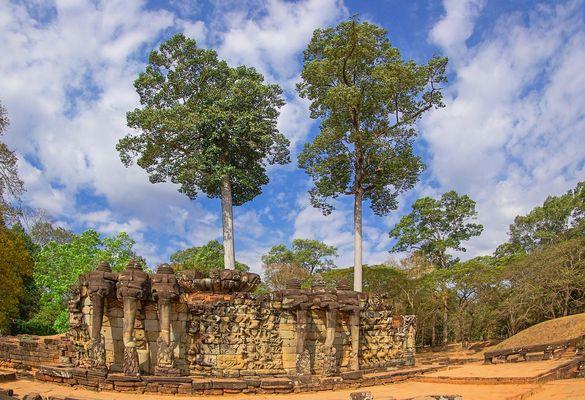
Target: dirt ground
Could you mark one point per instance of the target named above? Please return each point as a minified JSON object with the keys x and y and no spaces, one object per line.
{"x":510,"y":370}
{"x":569,"y":389}
{"x":387,"y":392}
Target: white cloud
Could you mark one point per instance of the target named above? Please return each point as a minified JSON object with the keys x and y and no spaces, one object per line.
{"x":271,"y":38}
{"x":512,"y":130}
{"x":456,"y":26}
{"x":336,"y":230}
{"x":273,"y":41}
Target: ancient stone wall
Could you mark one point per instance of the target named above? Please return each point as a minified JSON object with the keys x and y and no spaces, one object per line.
{"x":132,"y":326}
{"x":26,"y":352}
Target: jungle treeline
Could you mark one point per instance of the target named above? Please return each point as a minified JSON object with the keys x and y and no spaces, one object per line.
{"x":537,"y":275}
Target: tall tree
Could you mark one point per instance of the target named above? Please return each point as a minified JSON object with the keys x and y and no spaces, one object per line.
{"x":306,"y":257}
{"x":205,"y":126}
{"x":11,"y":186}
{"x":203,"y":258}
{"x":434,"y":227}
{"x":559,"y":218}
{"x":368,"y":99}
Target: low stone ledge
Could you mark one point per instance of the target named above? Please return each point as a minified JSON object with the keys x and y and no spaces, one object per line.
{"x":276,"y":383}
{"x":232,"y":384}
{"x":188,"y":385}
{"x":56,"y":371}
{"x":122,"y":378}
{"x":352,"y":375}
{"x":167,"y":379}
{"x":201,"y":384}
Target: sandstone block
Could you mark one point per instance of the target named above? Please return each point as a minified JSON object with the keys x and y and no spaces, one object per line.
{"x":361,"y":396}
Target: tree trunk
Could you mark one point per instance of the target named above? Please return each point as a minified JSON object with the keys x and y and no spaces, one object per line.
{"x":227,"y":220}
{"x":434,"y":331}
{"x":357,"y":242}
{"x":445,"y":314}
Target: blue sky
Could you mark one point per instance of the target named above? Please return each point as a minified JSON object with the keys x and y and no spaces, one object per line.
{"x":511,"y":134}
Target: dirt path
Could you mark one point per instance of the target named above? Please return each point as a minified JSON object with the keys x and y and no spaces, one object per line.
{"x":566,"y":389}
{"x":398,"y":391}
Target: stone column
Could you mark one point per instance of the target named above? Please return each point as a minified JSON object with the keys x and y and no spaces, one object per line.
{"x":165,"y":290}
{"x":303,"y":362}
{"x":296,"y":301}
{"x":132,"y":284}
{"x":354,"y":323}
{"x":409,"y":339}
{"x":101,"y":283}
{"x":330,"y":367}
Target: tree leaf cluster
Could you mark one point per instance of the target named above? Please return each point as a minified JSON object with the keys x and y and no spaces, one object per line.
{"x":368,"y":100}
{"x":436,"y":226}
{"x":202,"y":120}
{"x":202,"y":258}
{"x":59,"y":265}
{"x":16,"y":269}
{"x":303,"y":259}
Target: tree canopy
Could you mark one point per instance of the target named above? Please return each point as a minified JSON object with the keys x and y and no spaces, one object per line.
{"x":16,"y":265}
{"x":205,"y":126}
{"x":305,"y":258}
{"x":202,"y":258}
{"x":368,"y":99}
{"x":436,"y":226}
{"x":202,"y":120}
{"x":559,"y":218}
{"x":58,"y":265}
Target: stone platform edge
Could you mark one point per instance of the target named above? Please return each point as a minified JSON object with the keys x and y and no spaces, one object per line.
{"x":188,"y":385}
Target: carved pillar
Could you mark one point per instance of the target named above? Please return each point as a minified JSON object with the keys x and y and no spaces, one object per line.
{"x":132,"y":284}
{"x":165,"y":290}
{"x":409,"y":338}
{"x":354,"y":323}
{"x":303,"y":361}
{"x":101,"y":283}
{"x":330,"y":367}
{"x":296,"y":301}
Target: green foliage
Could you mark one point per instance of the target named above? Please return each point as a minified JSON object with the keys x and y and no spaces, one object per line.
{"x":559,"y":218}
{"x":202,"y":120}
{"x":369,"y":100}
{"x":390,"y":281}
{"x":305,"y":258}
{"x":435,"y":226}
{"x":203,"y":258}
{"x":379,"y":279}
{"x":312,"y":255}
{"x":58,"y":265}
{"x":547,"y":283}
{"x":474,"y":295}
{"x":29,"y":301}
{"x":16,"y":265}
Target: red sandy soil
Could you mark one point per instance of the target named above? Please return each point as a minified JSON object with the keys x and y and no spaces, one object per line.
{"x":566,"y":389}
{"x":509,"y":370}
{"x":397,"y":391}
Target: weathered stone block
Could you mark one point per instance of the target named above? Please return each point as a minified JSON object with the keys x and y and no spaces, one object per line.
{"x":228,"y":384}
{"x":361,"y":396}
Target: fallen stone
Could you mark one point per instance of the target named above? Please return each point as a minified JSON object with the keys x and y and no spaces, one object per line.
{"x":361,"y":396}
{"x":32,"y":396}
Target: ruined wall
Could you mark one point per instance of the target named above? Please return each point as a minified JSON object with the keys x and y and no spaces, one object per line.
{"x":26,"y":352}
{"x":178,"y":325}
{"x":242,"y":334}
